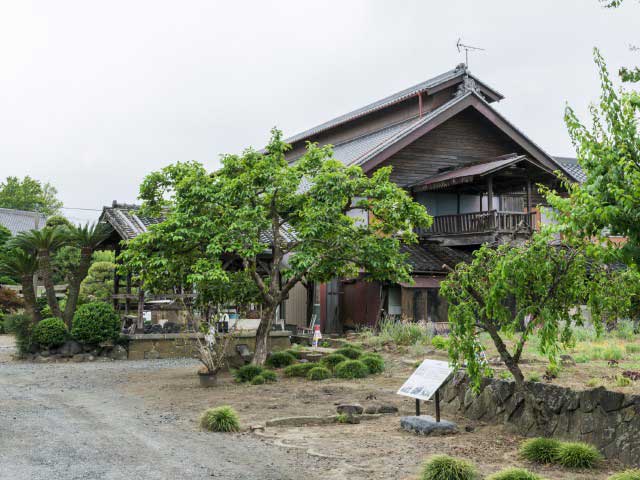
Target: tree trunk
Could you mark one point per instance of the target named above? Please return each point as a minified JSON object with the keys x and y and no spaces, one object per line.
{"x":75,"y":283}
{"x":44,"y":264}
{"x":262,"y":335}
{"x":29,"y":294}
{"x":506,"y":357}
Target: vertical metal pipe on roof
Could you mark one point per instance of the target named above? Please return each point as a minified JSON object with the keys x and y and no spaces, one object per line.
{"x":420,"y":104}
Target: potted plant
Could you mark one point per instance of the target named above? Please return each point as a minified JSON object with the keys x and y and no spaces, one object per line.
{"x":212,"y":353}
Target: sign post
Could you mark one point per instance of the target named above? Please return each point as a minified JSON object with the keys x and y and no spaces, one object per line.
{"x":426,"y":382}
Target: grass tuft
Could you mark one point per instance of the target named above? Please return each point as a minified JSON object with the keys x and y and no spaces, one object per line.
{"x":280,"y":359}
{"x":318,"y":373}
{"x":246,"y":373}
{"x":349,"y":351}
{"x":514,"y":474}
{"x":440,"y":343}
{"x":577,"y":455}
{"x":299,"y":369}
{"x":220,"y":419}
{"x":626,"y":475}
{"x":540,"y":450}
{"x":351,"y":369}
{"x":333,"y":359}
{"x":374,"y":362}
{"x":444,"y":467}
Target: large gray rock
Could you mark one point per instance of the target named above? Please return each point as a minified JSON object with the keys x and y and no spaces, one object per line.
{"x":70,"y":348}
{"x":427,"y":425}
{"x":118,"y":353}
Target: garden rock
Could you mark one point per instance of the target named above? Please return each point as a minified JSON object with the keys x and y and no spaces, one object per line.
{"x":118,"y":353}
{"x":427,"y":425}
{"x":350,"y":408}
{"x":70,"y":348}
{"x":567,"y":360}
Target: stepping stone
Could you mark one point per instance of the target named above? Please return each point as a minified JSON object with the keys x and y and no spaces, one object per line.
{"x":427,"y":425}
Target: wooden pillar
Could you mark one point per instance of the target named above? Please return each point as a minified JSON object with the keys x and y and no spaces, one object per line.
{"x":126,"y":301}
{"x":529,"y":208}
{"x":490,"y":193}
{"x":140,"y":322}
{"x":116,"y":277}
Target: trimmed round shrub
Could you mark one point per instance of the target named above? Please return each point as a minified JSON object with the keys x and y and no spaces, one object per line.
{"x":50,"y":332}
{"x":258,"y":380}
{"x":294,"y":352}
{"x":351,"y":369}
{"x":94,"y":323}
{"x":444,"y":467}
{"x":299,"y":369}
{"x":626,"y":475}
{"x":350,"y":352}
{"x":577,"y":455}
{"x":319,"y":373}
{"x":374,"y":362}
{"x":269,"y":376}
{"x":540,"y":450}
{"x":247,"y":373}
{"x":220,"y":419}
{"x":280,"y":359}
{"x":333,"y":359}
{"x":514,"y":474}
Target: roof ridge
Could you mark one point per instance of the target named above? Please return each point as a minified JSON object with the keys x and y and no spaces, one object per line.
{"x":384,"y":102}
{"x":16,"y":210}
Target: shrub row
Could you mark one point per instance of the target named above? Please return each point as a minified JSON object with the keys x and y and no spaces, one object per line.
{"x":93,"y":323}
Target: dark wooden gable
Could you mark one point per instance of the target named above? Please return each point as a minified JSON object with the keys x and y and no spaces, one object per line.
{"x":465,"y":138}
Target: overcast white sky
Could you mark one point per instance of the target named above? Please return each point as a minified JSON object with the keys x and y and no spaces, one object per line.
{"x":94,"y":95}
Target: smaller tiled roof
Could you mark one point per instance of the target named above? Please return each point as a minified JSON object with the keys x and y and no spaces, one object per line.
{"x":126,"y":220}
{"x":571,"y":165}
{"x":21,"y":220}
{"x":467,"y":173}
{"x":431,"y":258}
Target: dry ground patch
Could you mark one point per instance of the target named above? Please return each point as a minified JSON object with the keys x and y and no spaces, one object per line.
{"x":375,"y":449}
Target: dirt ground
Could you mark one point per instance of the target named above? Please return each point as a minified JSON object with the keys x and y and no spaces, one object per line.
{"x":375,"y":449}
{"x":142,"y":418}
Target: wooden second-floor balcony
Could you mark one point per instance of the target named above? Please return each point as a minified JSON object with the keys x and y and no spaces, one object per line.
{"x":479,"y":227}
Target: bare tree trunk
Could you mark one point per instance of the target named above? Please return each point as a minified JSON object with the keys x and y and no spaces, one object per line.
{"x":44,"y":265}
{"x":74,"y":285}
{"x":262,"y":335}
{"x":29,"y":294}
{"x":506,"y":357}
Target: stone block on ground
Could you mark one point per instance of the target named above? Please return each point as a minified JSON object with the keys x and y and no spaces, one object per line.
{"x":118,"y":353}
{"x":350,"y":408}
{"x":427,"y":425}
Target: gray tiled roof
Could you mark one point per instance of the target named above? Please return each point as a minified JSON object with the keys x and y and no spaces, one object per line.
{"x":390,"y":100}
{"x":20,"y":220}
{"x":430,"y":258}
{"x":126,"y":221}
{"x":572,"y":166}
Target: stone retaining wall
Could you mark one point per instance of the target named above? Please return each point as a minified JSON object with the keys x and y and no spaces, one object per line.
{"x":177,"y":345}
{"x":606,"y":419}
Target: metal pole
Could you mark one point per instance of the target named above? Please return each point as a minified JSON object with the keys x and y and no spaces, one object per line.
{"x":417,"y":407}
{"x":438,"y":406}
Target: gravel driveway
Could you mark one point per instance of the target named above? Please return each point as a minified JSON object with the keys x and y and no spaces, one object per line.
{"x":71,"y":421}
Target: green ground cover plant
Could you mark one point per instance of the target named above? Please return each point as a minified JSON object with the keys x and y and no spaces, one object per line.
{"x":374,"y":362}
{"x":220,"y":419}
{"x":514,"y":474}
{"x":349,"y":351}
{"x":577,"y":455}
{"x":246,"y":373}
{"x":299,"y":369}
{"x":280,"y":359}
{"x":444,"y":467}
{"x":333,"y":359}
{"x":626,"y":475}
{"x":540,"y":450}
{"x":318,"y":373}
{"x":351,"y":369}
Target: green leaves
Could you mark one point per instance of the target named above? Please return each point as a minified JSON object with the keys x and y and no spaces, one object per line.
{"x":273,"y":223}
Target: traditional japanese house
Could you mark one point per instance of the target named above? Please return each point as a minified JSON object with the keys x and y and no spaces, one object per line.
{"x":476,"y":173}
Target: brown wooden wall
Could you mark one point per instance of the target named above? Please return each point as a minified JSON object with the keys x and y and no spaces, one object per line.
{"x":359,"y":303}
{"x":467,"y":137}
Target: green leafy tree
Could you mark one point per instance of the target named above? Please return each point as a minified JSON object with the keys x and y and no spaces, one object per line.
{"x":516,"y":291}
{"x":626,"y":74}
{"x":608,"y":202}
{"x":275,"y":222}
{"x":29,"y":194}
{"x":58,"y":221}
{"x":23,"y":265}
{"x":5,"y":235}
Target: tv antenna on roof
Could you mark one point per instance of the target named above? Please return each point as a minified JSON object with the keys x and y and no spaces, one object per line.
{"x":461,"y":46}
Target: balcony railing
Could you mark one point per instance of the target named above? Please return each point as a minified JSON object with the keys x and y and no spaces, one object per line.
{"x":481,"y":222}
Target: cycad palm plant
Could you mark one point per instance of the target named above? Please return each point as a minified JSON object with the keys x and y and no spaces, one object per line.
{"x":43,"y":242}
{"x":86,"y":238}
{"x":23,"y":265}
